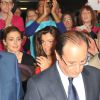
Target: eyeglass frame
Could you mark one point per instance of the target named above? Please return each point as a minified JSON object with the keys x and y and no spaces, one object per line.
{"x":75,"y":64}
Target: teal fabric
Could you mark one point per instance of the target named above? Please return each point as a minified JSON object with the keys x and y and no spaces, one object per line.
{"x":29,"y":23}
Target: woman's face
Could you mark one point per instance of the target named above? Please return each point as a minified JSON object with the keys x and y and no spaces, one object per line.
{"x":86,"y":16}
{"x":6,"y":5}
{"x":48,"y":43}
{"x":13,"y":42}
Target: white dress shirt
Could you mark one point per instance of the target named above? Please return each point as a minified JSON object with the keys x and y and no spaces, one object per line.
{"x":77,"y":82}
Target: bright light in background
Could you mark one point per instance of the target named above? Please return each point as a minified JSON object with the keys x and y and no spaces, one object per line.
{"x":24,"y":1}
{"x":27,"y":0}
{"x":23,"y":8}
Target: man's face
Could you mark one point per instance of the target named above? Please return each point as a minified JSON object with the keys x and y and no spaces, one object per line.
{"x":73,"y":59}
{"x":41,"y":6}
{"x":68,"y":21}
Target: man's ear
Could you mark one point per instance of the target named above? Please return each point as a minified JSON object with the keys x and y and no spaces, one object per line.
{"x":57,"y":55}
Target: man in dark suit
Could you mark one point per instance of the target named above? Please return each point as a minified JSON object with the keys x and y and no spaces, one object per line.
{"x":10,"y":84}
{"x":53,"y":84}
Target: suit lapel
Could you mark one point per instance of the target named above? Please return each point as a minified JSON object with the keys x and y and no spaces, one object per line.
{"x":57,"y":86}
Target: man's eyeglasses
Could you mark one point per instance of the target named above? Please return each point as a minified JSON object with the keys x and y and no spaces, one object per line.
{"x":69,"y":64}
{"x":67,"y":19}
{"x":6,"y":3}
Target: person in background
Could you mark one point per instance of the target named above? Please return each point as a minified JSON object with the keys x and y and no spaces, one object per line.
{"x":87,"y":20}
{"x":68,"y":77}
{"x":45,"y":41}
{"x":10,"y":82}
{"x":45,"y":10}
{"x":92,"y":49}
{"x":18,"y":11}
{"x":95,"y":60}
{"x":68,"y":21}
{"x":7,"y":18}
{"x":12,"y":41}
{"x":31,"y":15}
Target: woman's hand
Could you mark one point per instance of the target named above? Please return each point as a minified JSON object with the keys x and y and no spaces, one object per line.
{"x":92,"y":46}
{"x":83,"y":28}
{"x":43,"y":62}
{"x":54,"y":7}
{"x":9,"y":19}
{"x":56,"y":11}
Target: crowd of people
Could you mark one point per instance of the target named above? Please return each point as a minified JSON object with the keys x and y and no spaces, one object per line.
{"x":48,"y":49}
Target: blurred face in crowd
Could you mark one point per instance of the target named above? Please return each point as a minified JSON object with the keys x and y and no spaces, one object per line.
{"x":48,"y":43}
{"x":32,"y":15}
{"x":67,"y":20}
{"x":86,"y":16}
{"x":18,"y":12}
{"x":73,"y":58}
{"x":41,"y":7}
{"x":6,"y":5}
{"x":13,"y":42}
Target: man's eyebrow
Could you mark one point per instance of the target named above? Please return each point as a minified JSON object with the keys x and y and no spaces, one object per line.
{"x":76,"y":61}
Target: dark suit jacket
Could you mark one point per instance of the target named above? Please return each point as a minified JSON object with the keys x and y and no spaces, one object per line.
{"x":10,"y":84}
{"x":48,"y":85}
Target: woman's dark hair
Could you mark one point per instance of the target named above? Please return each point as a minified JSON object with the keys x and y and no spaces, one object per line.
{"x":10,"y":29}
{"x":37,"y":38}
{"x":93,"y":16}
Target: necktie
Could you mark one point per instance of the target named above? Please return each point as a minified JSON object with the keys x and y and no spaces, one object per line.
{"x":72,"y":93}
